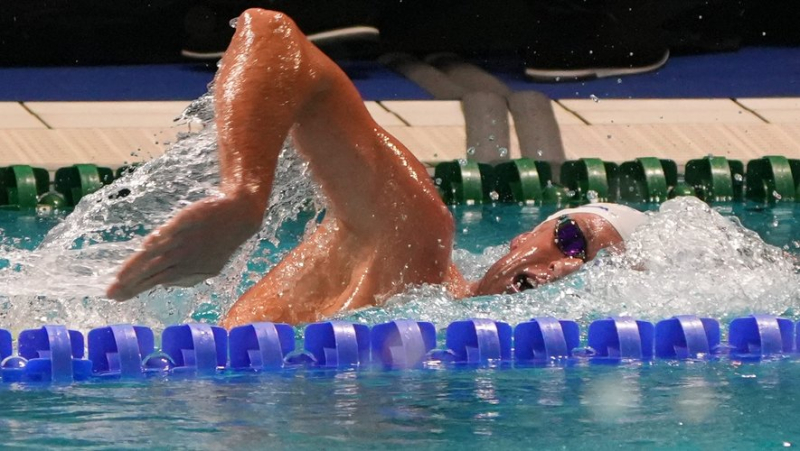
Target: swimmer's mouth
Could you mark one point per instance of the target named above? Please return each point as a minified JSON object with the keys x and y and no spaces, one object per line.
{"x":522,"y":282}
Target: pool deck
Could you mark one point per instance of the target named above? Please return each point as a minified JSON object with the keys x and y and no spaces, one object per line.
{"x":57,"y":134}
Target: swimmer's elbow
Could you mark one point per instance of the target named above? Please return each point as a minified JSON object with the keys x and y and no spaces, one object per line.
{"x":264,"y":20}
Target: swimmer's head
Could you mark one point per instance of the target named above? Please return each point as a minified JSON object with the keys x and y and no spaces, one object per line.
{"x":559,"y":246}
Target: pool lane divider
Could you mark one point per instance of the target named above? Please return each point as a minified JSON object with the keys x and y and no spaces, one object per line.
{"x":54,"y":353}
{"x":769,"y":180}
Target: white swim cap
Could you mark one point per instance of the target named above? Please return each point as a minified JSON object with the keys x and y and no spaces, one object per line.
{"x":624,"y":219}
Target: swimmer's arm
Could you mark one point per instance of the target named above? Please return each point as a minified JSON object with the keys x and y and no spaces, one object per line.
{"x":272,"y":81}
{"x":259,"y":91}
{"x":260,"y":88}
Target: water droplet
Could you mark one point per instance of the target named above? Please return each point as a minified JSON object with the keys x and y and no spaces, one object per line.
{"x":219,"y":63}
{"x":438,"y":181}
{"x":592,"y":196}
{"x":594,"y":98}
{"x":471,"y":151}
{"x":462,"y":162}
{"x":763,"y":33}
{"x":539,"y":152}
{"x":558,"y":78}
{"x":491,"y":137}
{"x":619,"y":80}
{"x":738,"y":177}
{"x":503,"y":151}
{"x":494,"y":196}
{"x":700,"y":17}
{"x":233,"y":21}
{"x":591,"y":51}
{"x":776,"y":195}
{"x":631,"y":53}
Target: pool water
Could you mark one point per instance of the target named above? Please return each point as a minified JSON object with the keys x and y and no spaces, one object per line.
{"x":665,"y":405}
{"x":689,"y":259}
{"x":662,"y":404}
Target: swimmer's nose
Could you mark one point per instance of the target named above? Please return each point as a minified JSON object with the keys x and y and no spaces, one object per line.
{"x":565,"y":266}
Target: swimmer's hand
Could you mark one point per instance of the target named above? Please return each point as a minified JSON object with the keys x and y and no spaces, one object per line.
{"x":193,"y":246}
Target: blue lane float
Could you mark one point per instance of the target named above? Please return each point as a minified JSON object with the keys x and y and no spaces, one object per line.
{"x":56,"y":354}
{"x":338,"y":343}
{"x":260,"y":346}
{"x":119,"y":350}
{"x":479,"y":340}
{"x":542,"y":339}
{"x":759,"y":336}
{"x":402,"y":343}
{"x":6,"y":344}
{"x":686,"y":337}
{"x":621,"y":338}
{"x":199,"y":348}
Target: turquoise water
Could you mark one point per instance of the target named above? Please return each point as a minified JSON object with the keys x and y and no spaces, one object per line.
{"x":665,"y":405}
{"x":685,"y":405}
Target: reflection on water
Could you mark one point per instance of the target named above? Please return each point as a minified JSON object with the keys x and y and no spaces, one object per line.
{"x":613,"y":396}
{"x":696,"y":399}
{"x":665,"y":404}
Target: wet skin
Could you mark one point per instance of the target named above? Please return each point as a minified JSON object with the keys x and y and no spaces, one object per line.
{"x":534,"y":258}
{"x":385,"y":228}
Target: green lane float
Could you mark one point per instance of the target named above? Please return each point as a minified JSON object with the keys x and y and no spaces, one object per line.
{"x":591,"y":180}
{"x":79,"y":180}
{"x":681,"y":189}
{"x":522,"y":180}
{"x":464,"y":182}
{"x":21,"y":185}
{"x":555,"y":195}
{"x":52,"y":202}
{"x":526,"y":181}
{"x":647,"y":180}
{"x":773,"y":179}
{"x":716,"y":179}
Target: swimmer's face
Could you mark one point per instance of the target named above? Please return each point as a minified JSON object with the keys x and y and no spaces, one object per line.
{"x":535,"y":257}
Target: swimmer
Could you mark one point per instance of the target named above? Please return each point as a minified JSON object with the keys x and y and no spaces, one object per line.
{"x":385,"y":228}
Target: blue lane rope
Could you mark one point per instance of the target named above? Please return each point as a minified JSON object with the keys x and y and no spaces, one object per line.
{"x":56,"y":354}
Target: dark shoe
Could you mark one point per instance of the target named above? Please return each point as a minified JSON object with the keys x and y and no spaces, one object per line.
{"x":338,"y":28}
{"x":582,"y":46}
{"x":588,"y":68}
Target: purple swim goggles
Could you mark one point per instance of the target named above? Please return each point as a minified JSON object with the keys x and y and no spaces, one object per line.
{"x":570,"y":239}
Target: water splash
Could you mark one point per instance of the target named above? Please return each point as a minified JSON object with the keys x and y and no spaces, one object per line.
{"x":64,"y":279}
{"x":688,"y":259}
